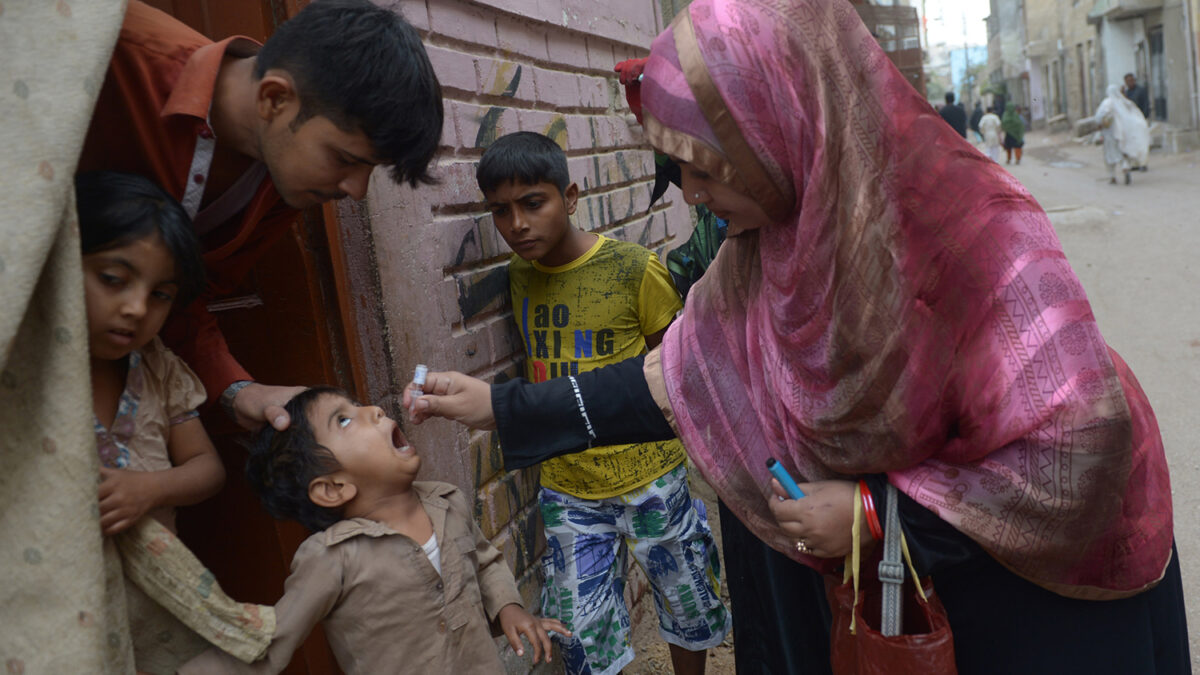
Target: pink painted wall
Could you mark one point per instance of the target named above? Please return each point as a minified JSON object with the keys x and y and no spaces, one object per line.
{"x":427,"y":268}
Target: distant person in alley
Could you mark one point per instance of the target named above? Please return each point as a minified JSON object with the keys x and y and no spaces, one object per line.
{"x":954,"y":115}
{"x":1137,"y":93}
{"x":1126,"y":135}
{"x":989,"y":126}
{"x":973,"y":123}
{"x":1014,"y":133}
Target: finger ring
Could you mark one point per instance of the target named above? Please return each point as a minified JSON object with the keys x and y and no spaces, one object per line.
{"x":802,"y":547}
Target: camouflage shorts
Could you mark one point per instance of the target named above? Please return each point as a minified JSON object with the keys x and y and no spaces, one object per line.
{"x":586,"y":542}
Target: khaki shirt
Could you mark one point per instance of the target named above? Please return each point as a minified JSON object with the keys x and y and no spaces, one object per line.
{"x":385,"y":608}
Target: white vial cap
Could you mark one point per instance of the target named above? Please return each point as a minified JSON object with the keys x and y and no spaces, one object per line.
{"x":419,"y":374}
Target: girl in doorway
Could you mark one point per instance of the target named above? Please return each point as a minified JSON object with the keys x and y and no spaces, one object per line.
{"x":140,"y":256}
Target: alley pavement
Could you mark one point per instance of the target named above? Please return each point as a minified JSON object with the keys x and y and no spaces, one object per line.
{"x":1136,"y":249}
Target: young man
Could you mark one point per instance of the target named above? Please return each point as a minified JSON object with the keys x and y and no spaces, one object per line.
{"x":396,"y":570}
{"x":244,"y":135}
{"x":582,"y":301}
{"x":954,"y":115}
{"x":973,"y":122}
{"x":1137,"y":93}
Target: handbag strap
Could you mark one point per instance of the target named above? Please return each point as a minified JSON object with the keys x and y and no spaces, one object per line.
{"x":852,"y":559}
{"x":894,"y":537}
{"x":891,"y":569}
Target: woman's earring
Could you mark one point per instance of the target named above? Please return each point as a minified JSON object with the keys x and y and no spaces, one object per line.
{"x":696,"y":196}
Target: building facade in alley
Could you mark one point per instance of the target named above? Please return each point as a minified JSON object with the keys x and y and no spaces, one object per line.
{"x":1059,"y":56}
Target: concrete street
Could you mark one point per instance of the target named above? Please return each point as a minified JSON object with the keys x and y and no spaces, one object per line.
{"x":1135,"y":249}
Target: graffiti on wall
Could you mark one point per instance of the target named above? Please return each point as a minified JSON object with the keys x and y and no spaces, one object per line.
{"x":481,"y":292}
{"x":489,"y":125}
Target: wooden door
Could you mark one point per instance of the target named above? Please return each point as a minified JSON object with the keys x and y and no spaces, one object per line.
{"x":285,"y":326}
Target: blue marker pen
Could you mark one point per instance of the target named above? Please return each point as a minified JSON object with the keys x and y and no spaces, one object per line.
{"x":784,"y":478}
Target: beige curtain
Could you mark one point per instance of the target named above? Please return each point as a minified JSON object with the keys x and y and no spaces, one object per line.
{"x":62,"y":602}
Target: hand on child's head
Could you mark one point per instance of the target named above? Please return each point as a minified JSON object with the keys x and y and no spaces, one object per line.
{"x":259,"y":404}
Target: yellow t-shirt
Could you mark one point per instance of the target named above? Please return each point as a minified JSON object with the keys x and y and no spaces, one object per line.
{"x":593,"y":311}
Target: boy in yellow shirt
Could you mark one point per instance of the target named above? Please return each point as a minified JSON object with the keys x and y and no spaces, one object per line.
{"x":581,"y":301}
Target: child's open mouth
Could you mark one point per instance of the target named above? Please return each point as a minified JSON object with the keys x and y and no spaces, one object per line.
{"x":399,"y":442}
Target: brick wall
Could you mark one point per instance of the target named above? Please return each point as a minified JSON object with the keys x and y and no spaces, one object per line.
{"x":426,"y":266}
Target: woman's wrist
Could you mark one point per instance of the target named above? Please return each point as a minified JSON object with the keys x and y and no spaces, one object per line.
{"x":869,"y":511}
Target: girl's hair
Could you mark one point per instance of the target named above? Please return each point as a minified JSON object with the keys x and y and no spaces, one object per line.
{"x":118,"y":208}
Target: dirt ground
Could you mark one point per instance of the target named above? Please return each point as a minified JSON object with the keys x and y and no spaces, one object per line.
{"x":652,"y":655}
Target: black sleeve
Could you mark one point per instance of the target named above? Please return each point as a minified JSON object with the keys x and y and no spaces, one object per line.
{"x":933,"y":543}
{"x":606,"y":406}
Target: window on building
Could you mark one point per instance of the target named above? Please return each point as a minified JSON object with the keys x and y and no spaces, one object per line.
{"x":1091,"y":80}
{"x":1060,"y":81}
{"x":1083,"y":90}
{"x":1158,"y":74}
{"x":1058,"y":97}
{"x":886,"y":35}
{"x":1048,"y":87}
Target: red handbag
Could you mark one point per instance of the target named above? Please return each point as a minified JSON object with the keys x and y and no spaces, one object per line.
{"x":910,"y":633}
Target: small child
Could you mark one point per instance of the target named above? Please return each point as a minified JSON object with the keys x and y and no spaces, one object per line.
{"x":140,"y":258}
{"x":582,"y":301}
{"x":397,"y":570}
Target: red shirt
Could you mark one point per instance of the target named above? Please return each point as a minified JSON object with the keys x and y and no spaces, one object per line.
{"x":152,"y":118}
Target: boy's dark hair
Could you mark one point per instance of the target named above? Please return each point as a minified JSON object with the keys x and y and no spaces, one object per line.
{"x":118,"y":208}
{"x":363,"y":67}
{"x":949,"y":97}
{"x":282,"y":464}
{"x":523,"y":157}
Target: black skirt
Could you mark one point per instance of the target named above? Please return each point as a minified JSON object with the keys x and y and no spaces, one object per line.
{"x":1010,"y":142}
{"x":1004,"y":624}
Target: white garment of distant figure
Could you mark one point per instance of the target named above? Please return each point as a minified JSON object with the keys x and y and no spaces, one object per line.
{"x":1126,"y":134}
{"x":989,"y":126}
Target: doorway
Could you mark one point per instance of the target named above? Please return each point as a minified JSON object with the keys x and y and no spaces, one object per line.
{"x":285,"y":325}
{"x":1158,"y":74}
{"x":1083,"y":88}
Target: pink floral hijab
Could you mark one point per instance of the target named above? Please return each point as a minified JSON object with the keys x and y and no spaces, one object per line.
{"x":910,"y":312}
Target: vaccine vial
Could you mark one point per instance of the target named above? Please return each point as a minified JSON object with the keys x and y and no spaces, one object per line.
{"x":419,"y":379}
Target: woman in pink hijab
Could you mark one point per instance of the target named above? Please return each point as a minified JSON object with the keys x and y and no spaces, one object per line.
{"x":893,"y":307}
